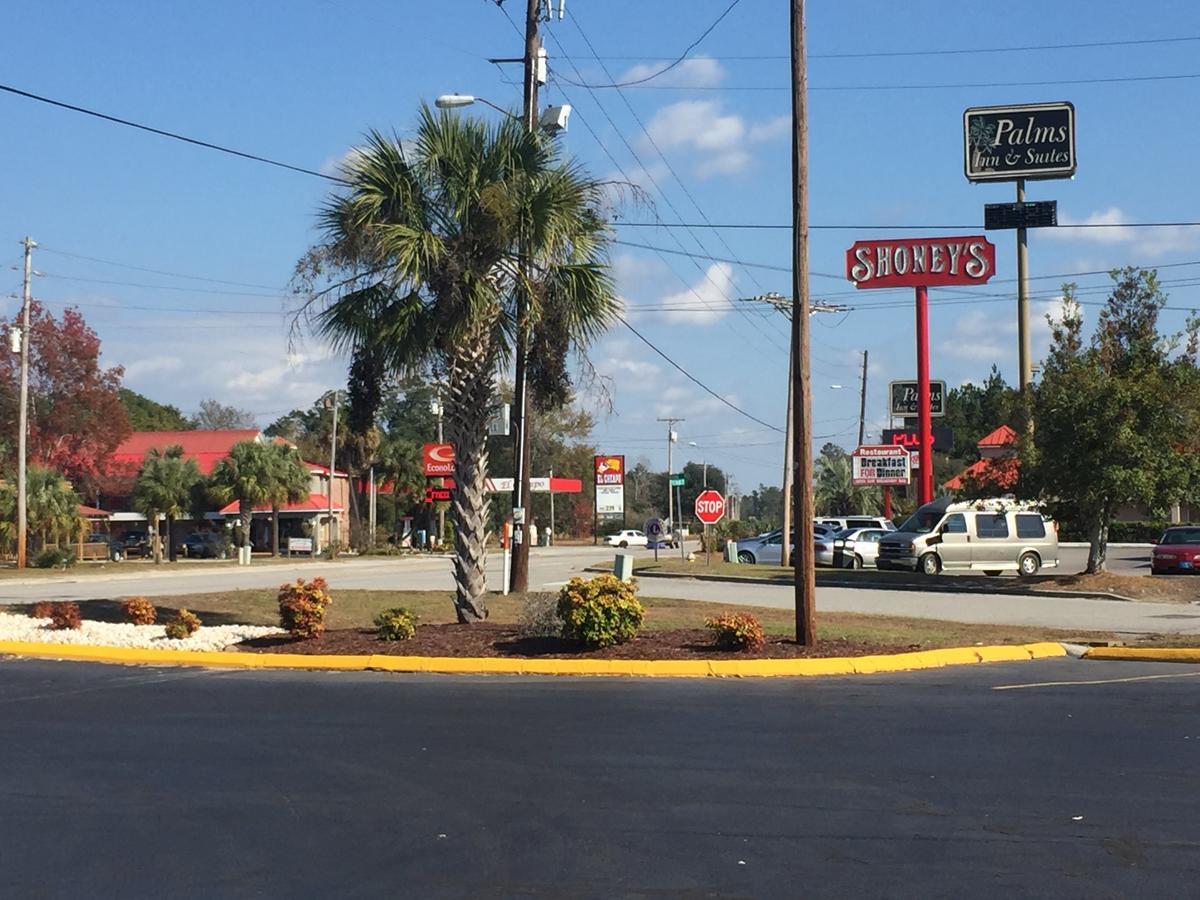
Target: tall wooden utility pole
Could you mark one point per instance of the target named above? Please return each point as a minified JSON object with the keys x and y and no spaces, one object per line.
{"x":671,"y":420}
{"x":23,"y":415}
{"x":520,"y":424}
{"x":862,"y":404}
{"x":805,"y":579}
{"x":785,"y":546}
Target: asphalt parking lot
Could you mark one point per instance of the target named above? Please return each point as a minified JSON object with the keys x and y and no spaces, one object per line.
{"x":1054,"y":778}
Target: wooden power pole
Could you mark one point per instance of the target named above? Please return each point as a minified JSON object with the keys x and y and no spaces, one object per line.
{"x":521,"y":442}
{"x":802,"y":481}
{"x":23,"y":415}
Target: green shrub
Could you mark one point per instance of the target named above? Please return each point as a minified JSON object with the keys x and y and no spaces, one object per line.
{"x":54,"y":558}
{"x":139,"y":611}
{"x":600,"y":612}
{"x":398,"y":624}
{"x":64,"y":616}
{"x":184,"y":625}
{"x":302,"y":607}
{"x":735,"y":631}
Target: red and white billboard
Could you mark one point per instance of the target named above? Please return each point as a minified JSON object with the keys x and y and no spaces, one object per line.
{"x":610,"y":469}
{"x":439,"y":460}
{"x":880,"y":464}
{"x":921,"y":262}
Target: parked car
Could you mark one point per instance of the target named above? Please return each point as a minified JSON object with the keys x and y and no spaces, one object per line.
{"x":205,"y":545}
{"x":991,"y":536}
{"x":630,"y":537}
{"x":1177,"y":551}
{"x":855,"y":548}
{"x":841,"y":523}
{"x":135,"y":543}
{"x":116,"y":549}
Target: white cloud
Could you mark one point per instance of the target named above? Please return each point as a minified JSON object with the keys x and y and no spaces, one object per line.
{"x":1142,"y":243}
{"x":703,"y":302}
{"x":152,"y":365}
{"x":700,"y":71}
{"x":339,"y":164}
{"x":716,"y":141}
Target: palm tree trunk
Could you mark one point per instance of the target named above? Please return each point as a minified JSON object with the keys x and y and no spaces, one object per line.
{"x":155,"y":544}
{"x":244,"y":511}
{"x":274,"y":529}
{"x":469,"y":397}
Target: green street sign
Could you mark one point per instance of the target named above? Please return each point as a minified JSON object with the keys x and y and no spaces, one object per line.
{"x":676,"y":481}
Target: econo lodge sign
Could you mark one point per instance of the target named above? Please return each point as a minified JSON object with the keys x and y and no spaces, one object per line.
{"x":921,"y":262}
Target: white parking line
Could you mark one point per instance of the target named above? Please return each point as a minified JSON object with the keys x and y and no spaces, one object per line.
{"x":1042,"y":684}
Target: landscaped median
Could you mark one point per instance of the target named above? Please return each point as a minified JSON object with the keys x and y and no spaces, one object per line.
{"x":746,"y":668}
{"x":597,"y":627}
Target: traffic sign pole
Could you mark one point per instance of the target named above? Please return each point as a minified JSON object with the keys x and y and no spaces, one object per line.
{"x":924,"y":421}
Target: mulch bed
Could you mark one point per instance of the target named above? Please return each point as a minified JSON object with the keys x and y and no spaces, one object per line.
{"x":487,"y":639}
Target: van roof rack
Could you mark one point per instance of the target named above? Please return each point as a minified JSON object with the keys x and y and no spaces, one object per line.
{"x":996,"y":504}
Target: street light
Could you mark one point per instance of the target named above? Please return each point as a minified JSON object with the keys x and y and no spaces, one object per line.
{"x":703,"y":461}
{"x":552,"y":120}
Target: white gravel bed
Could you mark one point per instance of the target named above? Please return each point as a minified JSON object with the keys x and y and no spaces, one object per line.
{"x":112,"y":634}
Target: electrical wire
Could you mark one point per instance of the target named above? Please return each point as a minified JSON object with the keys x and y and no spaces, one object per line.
{"x":852,"y":88}
{"x":692,"y":378}
{"x":882,"y":54}
{"x":769,"y":226}
{"x":169,"y":134}
{"x":109,"y":262}
{"x":159,"y":287}
{"x":613,"y":83}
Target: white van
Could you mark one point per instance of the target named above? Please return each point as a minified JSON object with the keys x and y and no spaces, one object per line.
{"x":989,"y":536}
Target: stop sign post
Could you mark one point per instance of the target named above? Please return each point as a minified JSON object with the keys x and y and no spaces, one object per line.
{"x":710,"y":509}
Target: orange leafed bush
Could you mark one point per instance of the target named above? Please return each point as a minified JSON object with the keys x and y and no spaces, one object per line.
{"x":41,"y":610}
{"x":302,"y":607}
{"x":139,"y":611}
{"x":736,"y":631}
{"x":64,"y":616}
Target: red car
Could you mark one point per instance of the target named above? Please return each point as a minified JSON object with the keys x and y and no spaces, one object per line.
{"x":1177,"y":551}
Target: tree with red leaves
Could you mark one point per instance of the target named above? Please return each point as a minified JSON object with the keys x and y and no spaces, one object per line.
{"x":76,"y":418}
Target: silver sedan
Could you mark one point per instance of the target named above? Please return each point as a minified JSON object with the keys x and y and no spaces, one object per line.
{"x":854,"y":548}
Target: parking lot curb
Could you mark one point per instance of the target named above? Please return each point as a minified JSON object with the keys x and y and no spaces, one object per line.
{"x":1145,"y":654}
{"x":656,"y":668}
{"x":933,"y":586}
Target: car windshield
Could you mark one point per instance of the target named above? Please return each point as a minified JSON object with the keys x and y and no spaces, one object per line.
{"x":922,"y":521}
{"x":1181,"y":536}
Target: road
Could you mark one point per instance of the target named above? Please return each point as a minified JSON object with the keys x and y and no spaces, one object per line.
{"x":551,"y":567}
{"x":141,"y":782}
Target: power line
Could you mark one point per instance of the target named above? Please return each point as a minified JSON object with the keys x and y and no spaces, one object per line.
{"x":879,"y":54}
{"x":926,"y":87}
{"x":159,"y":287}
{"x":169,"y":134}
{"x":110,"y":262}
{"x":692,"y":378}
{"x":657,"y":149}
{"x":667,"y":68}
{"x":773,"y":227}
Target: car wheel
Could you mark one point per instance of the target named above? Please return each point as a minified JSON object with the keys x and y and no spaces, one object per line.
{"x":856,"y":562}
{"x":1029,"y":564}
{"x":930,"y":564}
{"x":623,"y":544}
{"x":991,"y":572}
{"x":746,"y":557}
{"x":116,"y":556}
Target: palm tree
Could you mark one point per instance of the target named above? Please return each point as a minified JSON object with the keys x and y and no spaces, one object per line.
{"x":835,"y":492}
{"x":247,"y":476}
{"x":289,"y":483}
{"x":164,"y":488}
{"x":398,"y":462}
{"x":52,"y":506}
{"x":426,"y":254}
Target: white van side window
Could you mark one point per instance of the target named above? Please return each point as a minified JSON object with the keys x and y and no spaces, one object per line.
{"x":955,"y":524}
{"x":991,"y":525}
{"x":1030,"y":526}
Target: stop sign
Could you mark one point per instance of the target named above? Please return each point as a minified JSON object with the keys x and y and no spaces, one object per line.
{"x":710,"y":507}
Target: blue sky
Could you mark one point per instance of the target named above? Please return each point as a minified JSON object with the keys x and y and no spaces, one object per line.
{"x":301,"y":81}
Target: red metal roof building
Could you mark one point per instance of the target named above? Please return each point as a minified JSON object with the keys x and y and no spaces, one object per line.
{"x":997,"y":466}
{"x":207,"y":448}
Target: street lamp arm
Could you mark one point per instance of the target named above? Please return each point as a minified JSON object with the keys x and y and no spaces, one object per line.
{"x":453,"y":101}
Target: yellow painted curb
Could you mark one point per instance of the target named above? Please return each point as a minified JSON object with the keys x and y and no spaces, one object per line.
{"x":668,"y":668}
{"x":1145,"y":654}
